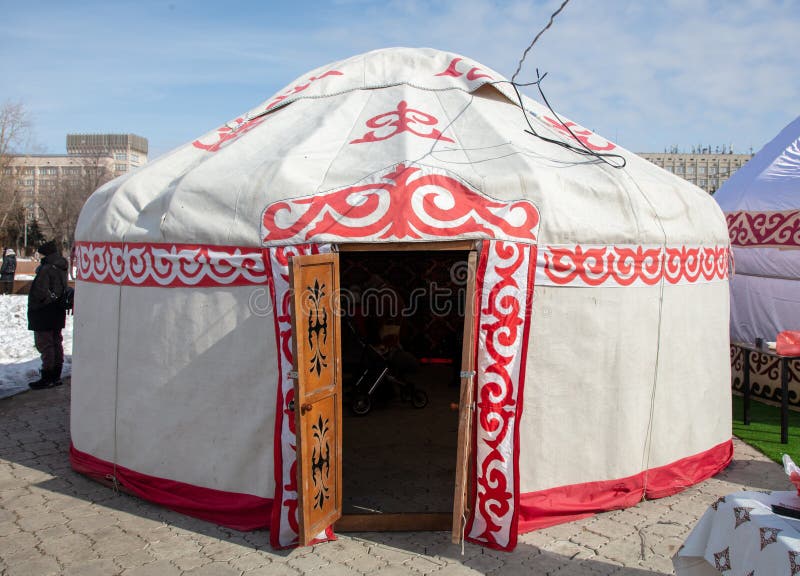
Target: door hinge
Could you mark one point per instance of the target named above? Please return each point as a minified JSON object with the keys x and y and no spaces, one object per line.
{"x":468,"y":374}
{"x":292,"y":375}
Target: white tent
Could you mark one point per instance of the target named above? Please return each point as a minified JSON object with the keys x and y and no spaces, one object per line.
{"x":761,"y":202}
{"x":600,"y":333}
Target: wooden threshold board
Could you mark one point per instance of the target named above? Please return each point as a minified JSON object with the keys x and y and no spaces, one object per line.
{"x":394,"y":523}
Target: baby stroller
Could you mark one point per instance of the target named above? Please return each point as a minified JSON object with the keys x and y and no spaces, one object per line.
{"x":373,"y":373}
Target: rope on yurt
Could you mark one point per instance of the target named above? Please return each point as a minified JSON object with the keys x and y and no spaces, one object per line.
{"x":604,"y":157}
{"x":542,"y":31}
{"x":583,"y":149}
{"x":116,"y":377}
{"x":463,"y":530}
{"x":646,"y":448}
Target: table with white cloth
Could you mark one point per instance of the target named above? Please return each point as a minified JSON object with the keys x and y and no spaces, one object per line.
{"x":740,"y":535}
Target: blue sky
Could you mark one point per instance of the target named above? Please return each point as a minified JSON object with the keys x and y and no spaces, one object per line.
{"x":645,"y":73}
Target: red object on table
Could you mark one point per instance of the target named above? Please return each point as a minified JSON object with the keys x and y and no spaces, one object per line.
{"x":788,"y":343}
{"x":436,"y":360}
{"x":794,"y":478}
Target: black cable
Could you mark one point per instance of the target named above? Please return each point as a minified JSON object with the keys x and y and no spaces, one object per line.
{"x":583,"y":149}
{"x":595,"y":153}
{"x":542,"y":31}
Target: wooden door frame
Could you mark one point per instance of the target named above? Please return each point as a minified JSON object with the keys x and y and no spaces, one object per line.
{"x":403,"y":522}
{"x":305,"y":399}
{"x":449,"y":245}
{"x":466,"y":404}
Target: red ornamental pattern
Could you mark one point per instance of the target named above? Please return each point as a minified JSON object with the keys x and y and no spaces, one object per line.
{"x":169,"y":265}
{"x":474,"y":73}
{"x":227,"y":133}
{"x":402,"y":119}
{"x":285,"y":527}
{"x":581,"y":134}
{"x":632,"y":265}
{"x":409,"y":203}
{"x":299,"y":88}
{"x":774,"y":229}
{"x":506,"y":294}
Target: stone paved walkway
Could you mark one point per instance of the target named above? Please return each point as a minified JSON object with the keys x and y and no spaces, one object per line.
{"x":54,"y":521}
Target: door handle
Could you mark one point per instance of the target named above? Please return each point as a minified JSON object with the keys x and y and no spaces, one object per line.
{"x":303,"y":408}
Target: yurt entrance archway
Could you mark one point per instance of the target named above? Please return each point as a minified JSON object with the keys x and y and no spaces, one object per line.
{"x":384,"y":375}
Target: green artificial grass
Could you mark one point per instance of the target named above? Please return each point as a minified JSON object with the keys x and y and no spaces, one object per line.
{"x":764,"y":431}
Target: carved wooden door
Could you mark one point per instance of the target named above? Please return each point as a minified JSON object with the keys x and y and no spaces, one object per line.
{"x":466,"y":405}
{"x":318,"y":391}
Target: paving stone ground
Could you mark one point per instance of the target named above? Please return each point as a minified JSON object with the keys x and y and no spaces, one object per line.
{"x":54,"y":521}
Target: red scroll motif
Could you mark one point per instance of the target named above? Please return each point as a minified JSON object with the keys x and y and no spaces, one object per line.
{"x":226,"y":133}
{"x":474,"y":73}
{"x":580,"y":134}
{"x":169,"y":265}
{"x":506,"y":287}
{"x":300,"y":88}
{"x":632,"y":265}
{"x":401,"y":120}
{"x":407,"y":204}
{"x":764,"y":229}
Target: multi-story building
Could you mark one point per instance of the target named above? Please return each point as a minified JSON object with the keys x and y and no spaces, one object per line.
{"x":41,"y":175}
{"x":63,"y":181}
{"x":128,"y":150}
{"x":706,"y":169}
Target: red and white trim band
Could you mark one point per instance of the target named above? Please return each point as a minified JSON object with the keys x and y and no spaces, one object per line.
{"x":169,"y":265}
{"x":768,"y":229}
{"x":505,"y":291}
{"x":591,"y":266}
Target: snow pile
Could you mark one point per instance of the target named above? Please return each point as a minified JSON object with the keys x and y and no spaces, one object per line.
{"x":19,"y":360}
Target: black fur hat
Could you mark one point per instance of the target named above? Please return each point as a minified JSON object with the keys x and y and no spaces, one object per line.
{"x":47,"y":248}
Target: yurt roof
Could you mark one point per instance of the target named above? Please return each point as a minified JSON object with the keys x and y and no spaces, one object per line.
{"x":770,"y":180}
{"x":355,"y":121}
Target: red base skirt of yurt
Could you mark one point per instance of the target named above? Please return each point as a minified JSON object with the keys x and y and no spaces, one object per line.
{"x":231,"y":509}
{"x":565,"y":503}
{"x":537,"y":509}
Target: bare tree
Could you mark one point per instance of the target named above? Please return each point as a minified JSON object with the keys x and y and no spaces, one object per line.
{"x":15,"y":134}
{"x":61,"y":203}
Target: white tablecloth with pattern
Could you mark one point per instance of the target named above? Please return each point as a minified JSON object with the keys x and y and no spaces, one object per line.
{"x":739,"y":535}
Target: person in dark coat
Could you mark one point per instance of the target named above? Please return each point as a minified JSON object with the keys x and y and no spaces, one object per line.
{"x":7,"y":270}
{"x":46,"y":314}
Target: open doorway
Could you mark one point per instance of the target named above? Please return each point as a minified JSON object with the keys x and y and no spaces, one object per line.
{"x":402,"y":330}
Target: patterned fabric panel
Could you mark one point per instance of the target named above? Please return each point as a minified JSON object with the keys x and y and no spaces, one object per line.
{"x":779,"y":229}
{"x":765,"y":376}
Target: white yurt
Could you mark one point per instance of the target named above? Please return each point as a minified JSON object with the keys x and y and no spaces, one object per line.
{"x":761,"y":202}
{"x":594,"y":368}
